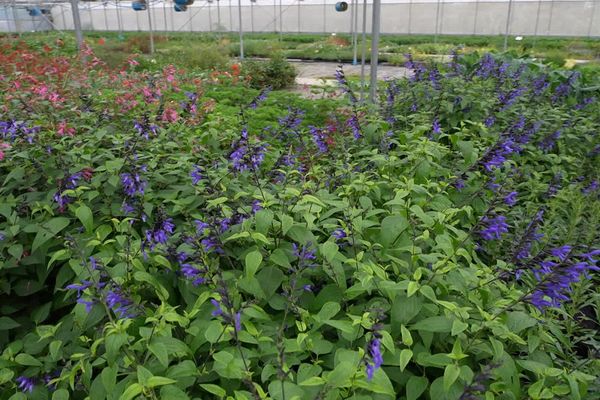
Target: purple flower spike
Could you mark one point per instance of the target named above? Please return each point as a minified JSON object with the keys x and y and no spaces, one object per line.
{"x":256,"y":206}
{"x":494,"y":227}
{"x":26,"y":384}
{"x":339,"y":234}
{"x":319,"y":139}
{"x":511,"y":199}
{"x":376,"y":357}
{"x":196,"y":175}
{"x":238,"y":321}
{"x":561,"y":252}
{"x":436,"y":126}
{"x":303,"y":252}
{"x":219,"y":310}
{"x":201,"y":226}
{"x":192,"y":273}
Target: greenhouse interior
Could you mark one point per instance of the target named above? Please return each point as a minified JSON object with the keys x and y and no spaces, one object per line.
{"x":300,"y":199}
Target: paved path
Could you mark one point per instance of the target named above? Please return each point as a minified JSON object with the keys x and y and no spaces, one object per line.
{"x":323,"y":73}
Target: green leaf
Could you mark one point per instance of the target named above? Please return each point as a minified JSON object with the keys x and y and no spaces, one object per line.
{"x":214,"y":389}
{"x":574,"y":386}
{"x":451,"y":373}
{"x":253,"y":261}
{"x":279,"y":257}
{"x":412,"y":288}
{"x":113,"y":345}
{"x":172,"y":392}
{"x":160,"y":352}
{"x":329,"y":250}
{"x":518,"y":321}
{"x":40,"y":239}
{"x":433,"y":324}
{"x":6,"y":375}
{"x":289,"y":391}
{"x":61,"y":394}
{"x":155,"y":381}
{"x":62,"y":254}
{"x":7,"y":323}
{"x":415,"y":387}
{"x":27,"y":359}
{"x":391,"y":229}
{"x":341,"y":374}
{"x":143,"y":375}
{"x":131,"y":392}
{"x":161,"y":292}
{"x":405,"y":356}
{"x":406,"y":336}
{"x":214,"y":331}
{"x":56,"y":225}
{"x":533,"y":366}
{"x":404,"y":309}
{"x":308,"y":198}
{"x":535,"y":390}
{"x":458,"y":327}
{"x":328,"y":311}
{"x":313,"y":381}
{"x":184,"y":369}
{"x":108,"y":377}
{"x":264,"y":219}
{"x":418,"y":211}
{"x":286,"y":223}
{"x":84,"y":213}
{"x":270,"y":278}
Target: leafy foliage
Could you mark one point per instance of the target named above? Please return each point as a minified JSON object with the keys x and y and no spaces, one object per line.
{"x":159,"y":242}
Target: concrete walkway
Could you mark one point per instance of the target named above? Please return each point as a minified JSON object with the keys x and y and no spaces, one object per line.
{"x":323,"y":73}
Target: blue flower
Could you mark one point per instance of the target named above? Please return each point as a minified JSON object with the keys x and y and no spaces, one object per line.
{"x":192,"y":273}
{"x":201,"y":226}
{"x":262,"y":96}
{"x":436,"y":127}
{"x":26,"y":384}
{"x":494,"y":227}
{"x":554,"y":282}
{"x":218,"y":310}
{"x":561,"y":252}
{"x":374,"y":351}
{"x":511,"y":199}
{"x":318,"y":138}
{"x":160,"y":233}
{"x":196,"y":174}
{"x":238,"y":321}
{"x":339,"y":234}
{"x":133,"y":184}
{"x":121,"y":305}
{"x":303,"y":252}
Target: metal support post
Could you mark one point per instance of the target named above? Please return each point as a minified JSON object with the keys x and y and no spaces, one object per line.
{"x":241,"y":30}
{"x":507,"y":29}
{"x":363,"y":54}
{"x":77,"y":24}
{"x":150,"y":26}
{"x":375,"y":48}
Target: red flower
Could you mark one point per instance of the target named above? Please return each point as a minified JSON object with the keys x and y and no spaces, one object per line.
{"x":87,"y":173}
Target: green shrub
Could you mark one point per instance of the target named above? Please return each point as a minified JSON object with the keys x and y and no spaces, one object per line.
{"x":276,"y":73}
{"x":198,"y":56}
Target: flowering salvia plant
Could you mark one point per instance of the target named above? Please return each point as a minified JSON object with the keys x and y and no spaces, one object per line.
{"x":167,"y":236}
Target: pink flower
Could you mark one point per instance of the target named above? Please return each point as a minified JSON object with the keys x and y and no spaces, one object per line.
{"x":169,"y":115}
{"x":41,"y":90}
{"x":3,"y":146}
{"x":54,"y":97}
{"x":63,"y":129}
